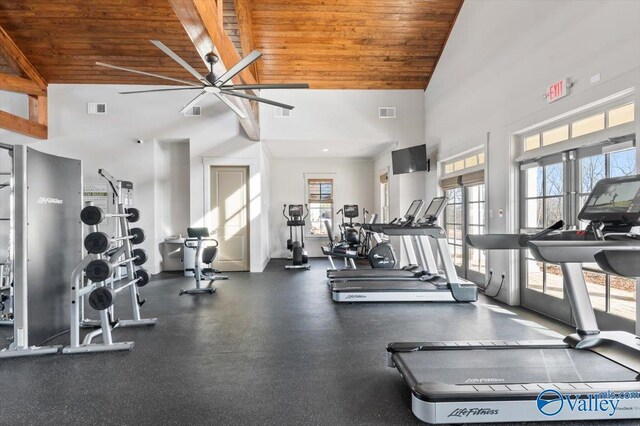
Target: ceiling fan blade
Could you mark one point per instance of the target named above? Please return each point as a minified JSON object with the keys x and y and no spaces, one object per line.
{"x":266,"y":86}
{"x":255,"y":98}
{"x":158,"y":90}
{"x":232,"y":106}
{"x":244,"y":62}
{"x":160,"y":45}
{"x":193,"y":102}
{"x":102,"y":64}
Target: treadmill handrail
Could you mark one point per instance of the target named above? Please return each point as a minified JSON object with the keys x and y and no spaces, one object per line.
{"x":508,"y":241}
{"x":624,"y":262}
{"x":568,"y":251}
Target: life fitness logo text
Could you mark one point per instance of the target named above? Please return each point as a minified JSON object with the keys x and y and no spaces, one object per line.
{"x":467,"y":412}
{"x":49,"y":200}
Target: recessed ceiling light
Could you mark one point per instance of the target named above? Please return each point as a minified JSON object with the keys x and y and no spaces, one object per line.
{"x":325,"y":150}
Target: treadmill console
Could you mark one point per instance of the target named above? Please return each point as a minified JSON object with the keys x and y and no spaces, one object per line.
{"x":413,"y":210}
{"x":613,"y":200}
{"x":350,"y":211}
{"x":435,"y":209}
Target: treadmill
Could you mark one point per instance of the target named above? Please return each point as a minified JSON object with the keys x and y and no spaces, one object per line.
{"x":578,"y":378}
{"x":411,"y":271}
{"x":430,"y":286}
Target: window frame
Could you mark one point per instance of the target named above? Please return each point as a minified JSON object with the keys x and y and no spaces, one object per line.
{"x":319,"y":178}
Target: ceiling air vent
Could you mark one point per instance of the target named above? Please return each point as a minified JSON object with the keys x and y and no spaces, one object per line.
{"x":195,"y":111}
{"x":281,"y":112}
{"x":96,"y":108}
{"x":387,"y":112}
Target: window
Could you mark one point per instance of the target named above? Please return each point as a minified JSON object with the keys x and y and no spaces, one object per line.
{"x":556,"y":135}
{"x":475,"y":225}
{"x":587,"y":125}
{"x":543,"y":206}
{"x":580,"y":127}
{"x":320,"y":201}
{"x":608,"y":293}
{"x":384,"y":198}
{"x":464,"y":162}
{"x":453,"y":224}
{"x":621,"y":115}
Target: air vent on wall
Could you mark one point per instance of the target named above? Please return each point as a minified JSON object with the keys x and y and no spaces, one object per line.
{"x":96,"y":108}
{"x":281,"y":112}
{"x":387,"y":112}
{"x":195,"y":111}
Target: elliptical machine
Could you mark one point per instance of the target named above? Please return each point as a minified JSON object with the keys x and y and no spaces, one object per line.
{"x":296,"y":223}
{"x":348,"y":233}
{"x":206,"y":248}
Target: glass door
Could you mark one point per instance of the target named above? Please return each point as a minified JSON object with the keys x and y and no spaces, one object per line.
{"x":544,"y":187}
{"x":465,"y":214}
{"x":555,"y":188}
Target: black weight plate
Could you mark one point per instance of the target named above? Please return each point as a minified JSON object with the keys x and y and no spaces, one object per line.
{"x":98,"y":270}
{"x":91,"y":215}
{"x":140,"y":255}
{"x":134,"y":214}
{"x":102,"y":298}
{"x":137,"y":234}
{"x":97,"y":242}
{"x":143,"y":276}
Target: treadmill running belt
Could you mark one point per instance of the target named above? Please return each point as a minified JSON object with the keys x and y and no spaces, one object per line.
{"x":382,"y":286}
{"x":508,"y":366}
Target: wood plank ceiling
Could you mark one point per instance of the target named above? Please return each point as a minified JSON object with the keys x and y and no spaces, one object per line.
{"x":331,"y":44}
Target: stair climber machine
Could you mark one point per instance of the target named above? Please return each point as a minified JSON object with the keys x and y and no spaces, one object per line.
{"x":296,"y":223}
{"x":589,"y":375}
{"x":426,"y":284}
{"x":206,"y":247}
{"x":382,"y":257}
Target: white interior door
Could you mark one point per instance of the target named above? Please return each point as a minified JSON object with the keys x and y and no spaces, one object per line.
{"x":230,"y":217}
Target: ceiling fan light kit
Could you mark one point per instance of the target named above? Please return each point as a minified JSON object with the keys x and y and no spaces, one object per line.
{"x":212,"y":84}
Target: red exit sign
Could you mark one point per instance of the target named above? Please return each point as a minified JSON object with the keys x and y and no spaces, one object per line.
{"x":558,"y":90}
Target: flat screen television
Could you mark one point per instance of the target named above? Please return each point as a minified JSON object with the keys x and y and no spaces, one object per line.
{"x":409,"y":160}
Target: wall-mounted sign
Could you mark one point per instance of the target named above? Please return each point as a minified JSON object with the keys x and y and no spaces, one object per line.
{"x":558,"y":90}
{"x":99,"y":194}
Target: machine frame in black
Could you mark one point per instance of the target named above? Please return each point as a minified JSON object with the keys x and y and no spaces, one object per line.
{"x":632,"y":215}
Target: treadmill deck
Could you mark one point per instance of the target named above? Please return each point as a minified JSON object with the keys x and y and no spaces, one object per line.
{"x":390,"y":291}
{"x":502,"y":383}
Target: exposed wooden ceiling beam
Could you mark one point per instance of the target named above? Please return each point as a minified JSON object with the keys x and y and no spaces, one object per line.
{"x":200,"y":20}
{"x":22,"y":125}
{"x":224,"y":45}
{"x":243,"y":13}
{"x":16,"y":56}
{"x":13,"y":83}
{"x":220,"y":7}
{"x":35,"y":86}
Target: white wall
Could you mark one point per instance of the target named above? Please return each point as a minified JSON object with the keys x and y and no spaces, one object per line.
{"x":346,"y":122}
{"x":498,"y":61}
{"x":352,"y":185}
{"x":109,"y":142}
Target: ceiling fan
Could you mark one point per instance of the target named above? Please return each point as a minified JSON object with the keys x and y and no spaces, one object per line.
{"x":211,"y":83}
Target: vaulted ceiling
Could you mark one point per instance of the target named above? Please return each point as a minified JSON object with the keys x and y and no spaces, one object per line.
{"x":331,"y":44}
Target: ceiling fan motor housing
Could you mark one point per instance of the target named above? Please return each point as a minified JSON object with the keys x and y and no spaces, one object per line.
{"x":211,"y":59}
